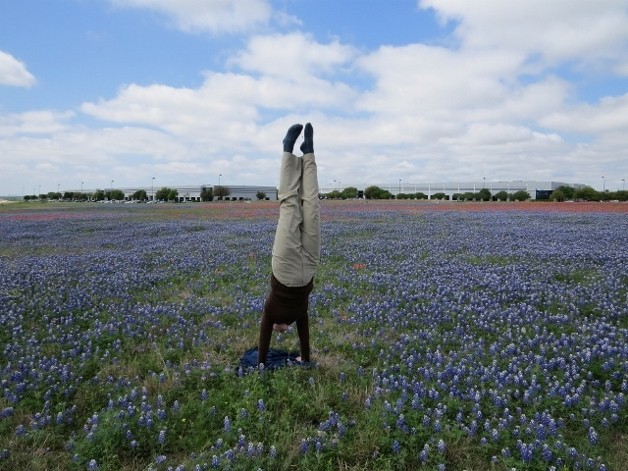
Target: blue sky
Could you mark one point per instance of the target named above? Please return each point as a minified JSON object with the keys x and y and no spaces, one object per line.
{"x":419,"y":90}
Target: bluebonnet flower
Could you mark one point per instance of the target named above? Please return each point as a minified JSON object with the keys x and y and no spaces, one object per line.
{"x":396,"y":447}
{"x":593,"y":436}
{"x":441,"y":446}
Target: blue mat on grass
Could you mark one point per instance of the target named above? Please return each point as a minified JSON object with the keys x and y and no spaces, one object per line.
{"x":274,"y":359}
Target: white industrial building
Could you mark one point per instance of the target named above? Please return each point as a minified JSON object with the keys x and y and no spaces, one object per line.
{"x":193,"y":192}
{"x":536,"y":189}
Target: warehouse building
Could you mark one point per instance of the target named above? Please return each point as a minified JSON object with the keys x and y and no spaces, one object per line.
{"x":192,"y":193}
{"x":536,"y":189}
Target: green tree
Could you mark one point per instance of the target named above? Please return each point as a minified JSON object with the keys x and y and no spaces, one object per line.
{"x":568,"y":191}
{"x":484,"y":194}
{"x":117,"y":195}
{"x":260,"y":195}
{"x":439,"y":196}
{"x":419,"y":195}
{"x":98,"y":195}
{"x":139,"y":195}
{"x":372,"y":192}
{"x":221,"y":191}
{"x":521,"y":195}
{"x":207,"y":194}
{"x":166,"y":194}
{"x":349,"y":193}
{"x":587,"y":194}
{"x":501,"y":195}
{"x":468,"y":196}
{"x":558,"y":195}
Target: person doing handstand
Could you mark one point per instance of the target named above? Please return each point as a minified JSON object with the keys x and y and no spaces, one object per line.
{"x":296,"y":251}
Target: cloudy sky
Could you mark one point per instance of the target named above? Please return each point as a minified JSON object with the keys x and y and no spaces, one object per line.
{"x":419,"y":90}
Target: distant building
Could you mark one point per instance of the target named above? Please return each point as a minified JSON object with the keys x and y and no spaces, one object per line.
{"x":248,"y":192}
{"x":193,"y":192}
{"x":536,"y":189}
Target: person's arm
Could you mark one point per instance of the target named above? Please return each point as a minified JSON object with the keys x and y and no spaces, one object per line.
{"x":265,"y":333}
{"x":303,"y":328}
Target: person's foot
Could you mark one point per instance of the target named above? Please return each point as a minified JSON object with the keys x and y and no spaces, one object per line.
{"x":308,"y":140}
{"x":291,"y":137}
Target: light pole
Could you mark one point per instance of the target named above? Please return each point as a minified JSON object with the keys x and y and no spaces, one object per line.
{"x":603,"y":184}
{"x":111,"y":194}
{"x":152,"y":189}
{"x":623,"y":184}
{"x":219,"y":176}
{"x":483,"y":182}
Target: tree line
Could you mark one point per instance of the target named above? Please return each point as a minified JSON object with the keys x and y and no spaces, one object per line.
{"x":562,"y":193}
{"x":163,"y":194}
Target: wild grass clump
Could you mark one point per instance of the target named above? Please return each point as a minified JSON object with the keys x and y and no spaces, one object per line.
{"x":441,"y":340}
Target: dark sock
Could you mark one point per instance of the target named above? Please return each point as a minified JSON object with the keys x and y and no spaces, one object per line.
{"x":291,"y":137}
{"x":308,"y":140}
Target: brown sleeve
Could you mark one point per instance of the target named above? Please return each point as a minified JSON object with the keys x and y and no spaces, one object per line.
{"x":303,"y":328}
{"x":265,"y":333}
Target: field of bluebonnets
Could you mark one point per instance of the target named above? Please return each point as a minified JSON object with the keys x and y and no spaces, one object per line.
{"x":445,"y":337}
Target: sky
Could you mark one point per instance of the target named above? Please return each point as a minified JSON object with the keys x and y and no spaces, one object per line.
{"x":127,"y":93}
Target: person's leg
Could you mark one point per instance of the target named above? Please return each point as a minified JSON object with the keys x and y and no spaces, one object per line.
{"x":310,"y":228}
{"x":286,"y":260}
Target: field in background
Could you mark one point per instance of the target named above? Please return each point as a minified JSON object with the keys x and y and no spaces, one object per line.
{"x":445,"y":336}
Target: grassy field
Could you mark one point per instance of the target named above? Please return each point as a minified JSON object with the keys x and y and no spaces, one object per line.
{"x":479,"y":336}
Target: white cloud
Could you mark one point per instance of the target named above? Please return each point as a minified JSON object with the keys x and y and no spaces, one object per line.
{"x":34,"y":122}
{"x":13,"y":72}
{"x":215,"y":16}
{"x":610,"y":115}
{"x":293,"y":56}
{"x":418,"y":79}
{"x":560,"y":30}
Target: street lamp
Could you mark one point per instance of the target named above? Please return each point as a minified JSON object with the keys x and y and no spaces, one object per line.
{"x":219,"y":175}
{"x":623,"y":184}
{"x":111,"y":194}
{"x":152,"y":189}
{"x":603,"y":184}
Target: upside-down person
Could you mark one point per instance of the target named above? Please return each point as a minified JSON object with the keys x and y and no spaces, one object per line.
{"x":296,"y":251}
